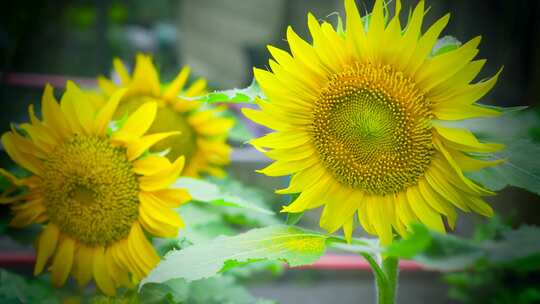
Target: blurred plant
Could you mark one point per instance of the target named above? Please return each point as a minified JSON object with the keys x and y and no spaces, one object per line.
{"x":203,"y":129}
{"x":494,"y":282}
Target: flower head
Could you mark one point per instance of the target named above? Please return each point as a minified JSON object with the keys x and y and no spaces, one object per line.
{"x":203,"y":131}
{"x":359,"y":123}
{"x":95,"y":191}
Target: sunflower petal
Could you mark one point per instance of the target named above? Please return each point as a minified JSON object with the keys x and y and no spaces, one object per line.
{"x":163,"y":178}
{"x":101,"y":273}
{"x":105,"y":115}
{"x":177,"y":84}
{"x":46,"y":245}
{"x":158,"y":219}
{"x":62,"y":262}
{"x":84,"y":258}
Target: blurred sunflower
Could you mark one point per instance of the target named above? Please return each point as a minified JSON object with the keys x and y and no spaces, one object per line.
{"x":359,"y":118}
{"x":204,"y":131}
{"x":93,"y":189}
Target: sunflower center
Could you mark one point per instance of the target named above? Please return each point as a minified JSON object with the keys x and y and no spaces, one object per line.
{"x":371,"y":129}
{"x":91,"y":191}
{"x":167,"y":120}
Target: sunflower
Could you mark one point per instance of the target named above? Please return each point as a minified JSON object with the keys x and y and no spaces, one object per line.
{"x":204,"y":131}
{"x":95,"y":190}
{"x":360,"y":118}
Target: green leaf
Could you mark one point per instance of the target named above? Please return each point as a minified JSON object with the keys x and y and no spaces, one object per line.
{"x":447,"y":252}
{"x":419,"y":240}
{"x":16,"y":289}
{"x":206,"y":291}
{"x":204,"y":191}
{"x":284,"y":243}
{"x":444,"y":45}
{"x":246,"y":95}
{"x":294,"y":218}
{"x":520,"y":169}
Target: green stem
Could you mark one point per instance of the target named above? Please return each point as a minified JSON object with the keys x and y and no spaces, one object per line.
{"x":386,"y":276}
{"x":390,"y":267}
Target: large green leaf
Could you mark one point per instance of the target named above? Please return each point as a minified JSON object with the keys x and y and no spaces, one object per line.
{"x":204,"y":191}
{"x":17,"y":289}
{"x":520,"y":169}
{"x":447,"y":252}
{"x":285,"y":243}
{"x":215,"y":290}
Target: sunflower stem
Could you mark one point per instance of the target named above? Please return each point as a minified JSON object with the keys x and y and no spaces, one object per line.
{"x":386,"y":276}
{"x":390,"y":267}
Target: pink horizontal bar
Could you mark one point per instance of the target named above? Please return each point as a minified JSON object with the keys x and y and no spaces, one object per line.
{"x":329,"y":261}
{"x":39,"y":80}
{"x":334,"y":261}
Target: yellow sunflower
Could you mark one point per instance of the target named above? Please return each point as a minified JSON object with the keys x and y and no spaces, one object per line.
{"x":95,"y":190}
{"x":204,"y":131}
{"x":360,"y":125}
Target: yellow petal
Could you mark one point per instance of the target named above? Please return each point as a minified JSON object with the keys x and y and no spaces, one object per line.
{"x":302,"y":51}
{"x":215,"y":127}
{"x":409,"y":41}
{"x":107,"y":86}
{"x":423,"y":211}
{"x":62,"y":262}
{"x":140,"y":121}
{"x":68,"y":104}
{"x":460,"y":80}
{"x":158,"y":219}
{"x":310,"y":197}
{"x":121,"y":70}
{"x":467,"y":163}
{"x":101,"y":274}
{"x":139,"y":146}
{"x":380,"y":221}
{"x":197,"y":88}
{"x":356,"y":35}
{"x":52,"y":113}
{"x":46,"y":246}
{"x":437,"y":202}
{"x":426,"y":43}
{"x":28,"y":161}
{"x":145,"y":76}
{"x":442,"y":67}
{"x":163,"y":178}
{"x":281,"y":140}
{"x":119,"y":275}
{"x":122,"y":256}
{"x":105,"y":115}
{"x":439,"y":183}
{"x":140,"y":249}
{"x":364,"y":218}
{"x":178,"y":83}
{"x":348,"y":227}
{"x":150,"y":165}
{"x":84,"y":258}
{"x":464,"y":140}
{"x":170,"y":198}
{"x":303,"y":180}
{"x":292,"y":154}
{"x":340,"y":208}
{"x":26,"y":214}
{"x":281,"y":168}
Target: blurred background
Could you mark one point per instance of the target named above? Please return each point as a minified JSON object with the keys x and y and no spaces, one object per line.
{"x":50,"y":41}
